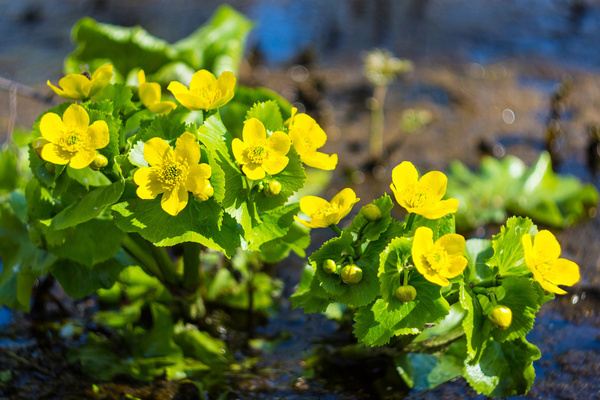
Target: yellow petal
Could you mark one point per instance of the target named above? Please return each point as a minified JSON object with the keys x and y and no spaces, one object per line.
{"x":238,"y":147}
{"x":52,"y":127}
{"x":76,"y":118}
{"x":54,"y":154}
{"x":550,"y":287}
{"x":149,"y":93}
{"x":254,"y":131}
{"x":435,"y":278}
{"x":308,"y":224}
{"x":311,"y":205}
{"x":528,"y":251}
{"x":59,"y":91}
{"x":320,"y":160}
{"x":226,"y":84}
{"x":163,"y":107}
{"x":345,"y":200}
{"x":141,"y":77}
{"x":174,"y":201}
{"x":435,"y":182}
{"x":563,"y":272}
{"x":279,"y":142}
{"x":82,"y":158}
{"x":275,"y":164}
{"x":253,"y":171}
{"x":453,"y":243}
{"x":197,"y":178}
{"x":177,"y":88}
{"x":202,"y":79}
{"x":457,"y":266}
{"x":545,"y":247}
{"x":98,"y":136}
{"x":155,"y":150}
{"x":100,"y":79}
{"x":440,"y":209}
{"x":148,"y":184}
{"x":404,"y":175}
{"x":75,"y":86}
{"x":316,"y":134}
{"x":422,"y":242}
{"x":191,"y":101}
{"x":187,"y":148}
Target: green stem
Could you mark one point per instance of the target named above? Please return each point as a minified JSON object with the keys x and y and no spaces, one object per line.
{"x":486,"y":283}
{"x":191,"y":265}
{"x":377,"y":122}
{"x":335,"y":229}
{"x":410,"y":220}
{"x":405,"y":276}
{"x":165,"y":264}
{"x":141,"y":255}
{"x":480,"y":290}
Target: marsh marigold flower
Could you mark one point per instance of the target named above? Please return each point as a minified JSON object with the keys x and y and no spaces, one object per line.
{"x":259,"y":154}
{"x":206,"y":92}
{"x":83,"y":86}
{"x":307,"y":136}
{"x":72,"y":140}
{"x":323,"y":213}
{"x":440,"y":260}
{"x":542,"y":258}
{"x":421,"y":196}
{"x":150,"y":95}
{"x":173,"y":173}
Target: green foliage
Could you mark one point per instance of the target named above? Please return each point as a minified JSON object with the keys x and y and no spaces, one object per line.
{"x":507,"y":186}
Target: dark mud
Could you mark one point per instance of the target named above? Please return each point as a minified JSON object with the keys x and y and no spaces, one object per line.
{"x":469,"y":70}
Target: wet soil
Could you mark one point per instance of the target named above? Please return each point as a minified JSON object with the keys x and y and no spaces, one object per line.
{"x":468,"y":90}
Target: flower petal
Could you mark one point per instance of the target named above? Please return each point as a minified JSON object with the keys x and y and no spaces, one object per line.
{"x":197,"y":178}
{"x":422,"y":242}
{"x":457,"y":266}
{"x":550,"y":287}
{"x":177,"y":88}
{"x":275,"y":164}
{"x":75,"y":86}
{"x":344,"y":201}
{"x":279,"y":142}
{"x":155,"y":150}
{"x":320,"y":160}
{"x":528,"y":252}
{"x":148,"y":184}
{"x":54,"y":154}
{"x":435,"y":278}
{"x":141,"y":77}
{"x":311,"y":205}
{"x":163,"y":107}
{"x":308,"y":224}
{"x":76,"y":118}
{"x":82,"y":158}
{"x":149,"y":93}
{"x":253,"y":171}
{"x":202,"y":79}
{"x":59,"y":91}
{"x":563,"y":272}
{"x":191,"y":101}
{"x":174,"y":201}
{"x":226,"y":84}
{"x":435,"y":182}
{"x":404,"y":175}
{"x":254,"y":131}
{"x":98,"y":136}
{"x":238,"y":147}
{"x":187,"y":148}
{"x":440,"y":209}
{"x":52,"y":127}
{"x":546,"y":248}
{"x":453,"y":243}
{"x":100,"y":79}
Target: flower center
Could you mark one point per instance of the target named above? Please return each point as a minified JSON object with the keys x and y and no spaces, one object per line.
{"x":418,"y":196}
{"x":172,"y":173}
{"x":72,"y":142}
{"x":257,"y":154}
{"x":437,"y":259}
{"x":210,"y":94}
{"x":325,"y":212}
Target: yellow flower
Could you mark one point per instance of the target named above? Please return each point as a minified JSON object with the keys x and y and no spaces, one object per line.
{"x":205,"y":92}
{"x":258,"y":154}
{"x":541,"y":258}
{"x":323,"y":213}
{"x":441,"y":260}
{"x":71,"y":139}
{"x":173,"y":173}
{"x":421,"y":196}
{"x":307,"y":136}
{"x":150,"y":95}
{"x":82,"y":86}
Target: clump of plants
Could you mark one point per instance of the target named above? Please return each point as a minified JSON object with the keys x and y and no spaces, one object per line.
{"x":444,"y":306}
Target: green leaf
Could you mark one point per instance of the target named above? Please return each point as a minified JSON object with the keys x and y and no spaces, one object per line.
{"x":374,"y":324}
{"x":268,"y":113}
{"x":89,"y":207}
{"x":304,"y":297}
{"x":119,"y":96}
{"x":372,"y":230}
{"x":478,"y":251}
{"x":9,"y":175}
{"x":475,"y":324}
{"x":504,"y":369}
{"x":201,"y":346}
{"x":508,"y":256}
{"x":275,"y":225}
{"x":200,"y":222}
{"x":158,"y":340}
{"x":297,"y":239}
{"x":79,"y":281}
{"x":336,"y":249}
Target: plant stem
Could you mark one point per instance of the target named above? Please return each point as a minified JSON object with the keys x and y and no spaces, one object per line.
{"x":191,"y":265}
{"x":335,"y":229}
{"x":486,"y":283}
{"x":377,"y":122}
{"x":410,"y":220}
{"x":165,"y":264}
{"x":405,"y":276}
{"x":141,"y":255}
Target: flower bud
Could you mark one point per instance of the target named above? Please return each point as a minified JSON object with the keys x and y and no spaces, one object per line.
{"x":501,"y":316}
{"x":371,"y":213}
{"x":330,"y":266}
{"x":205,"y":194}
{"x":351,"y":274}
{"x":406,"y":293}
{"x":38,"y":144}
{"x":273,"y":188}
{"x":99,"y":162}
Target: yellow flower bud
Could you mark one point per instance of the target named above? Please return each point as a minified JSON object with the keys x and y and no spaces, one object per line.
{"x":99,"y":162}
{"x":406,"y":293}
{"x":351,"y":274}
{"x":501,"y":317}
{"x":330,"y":266}
{"x":273,"y":189}
{"x":371,"y":213}
{"x":38,"y":144}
